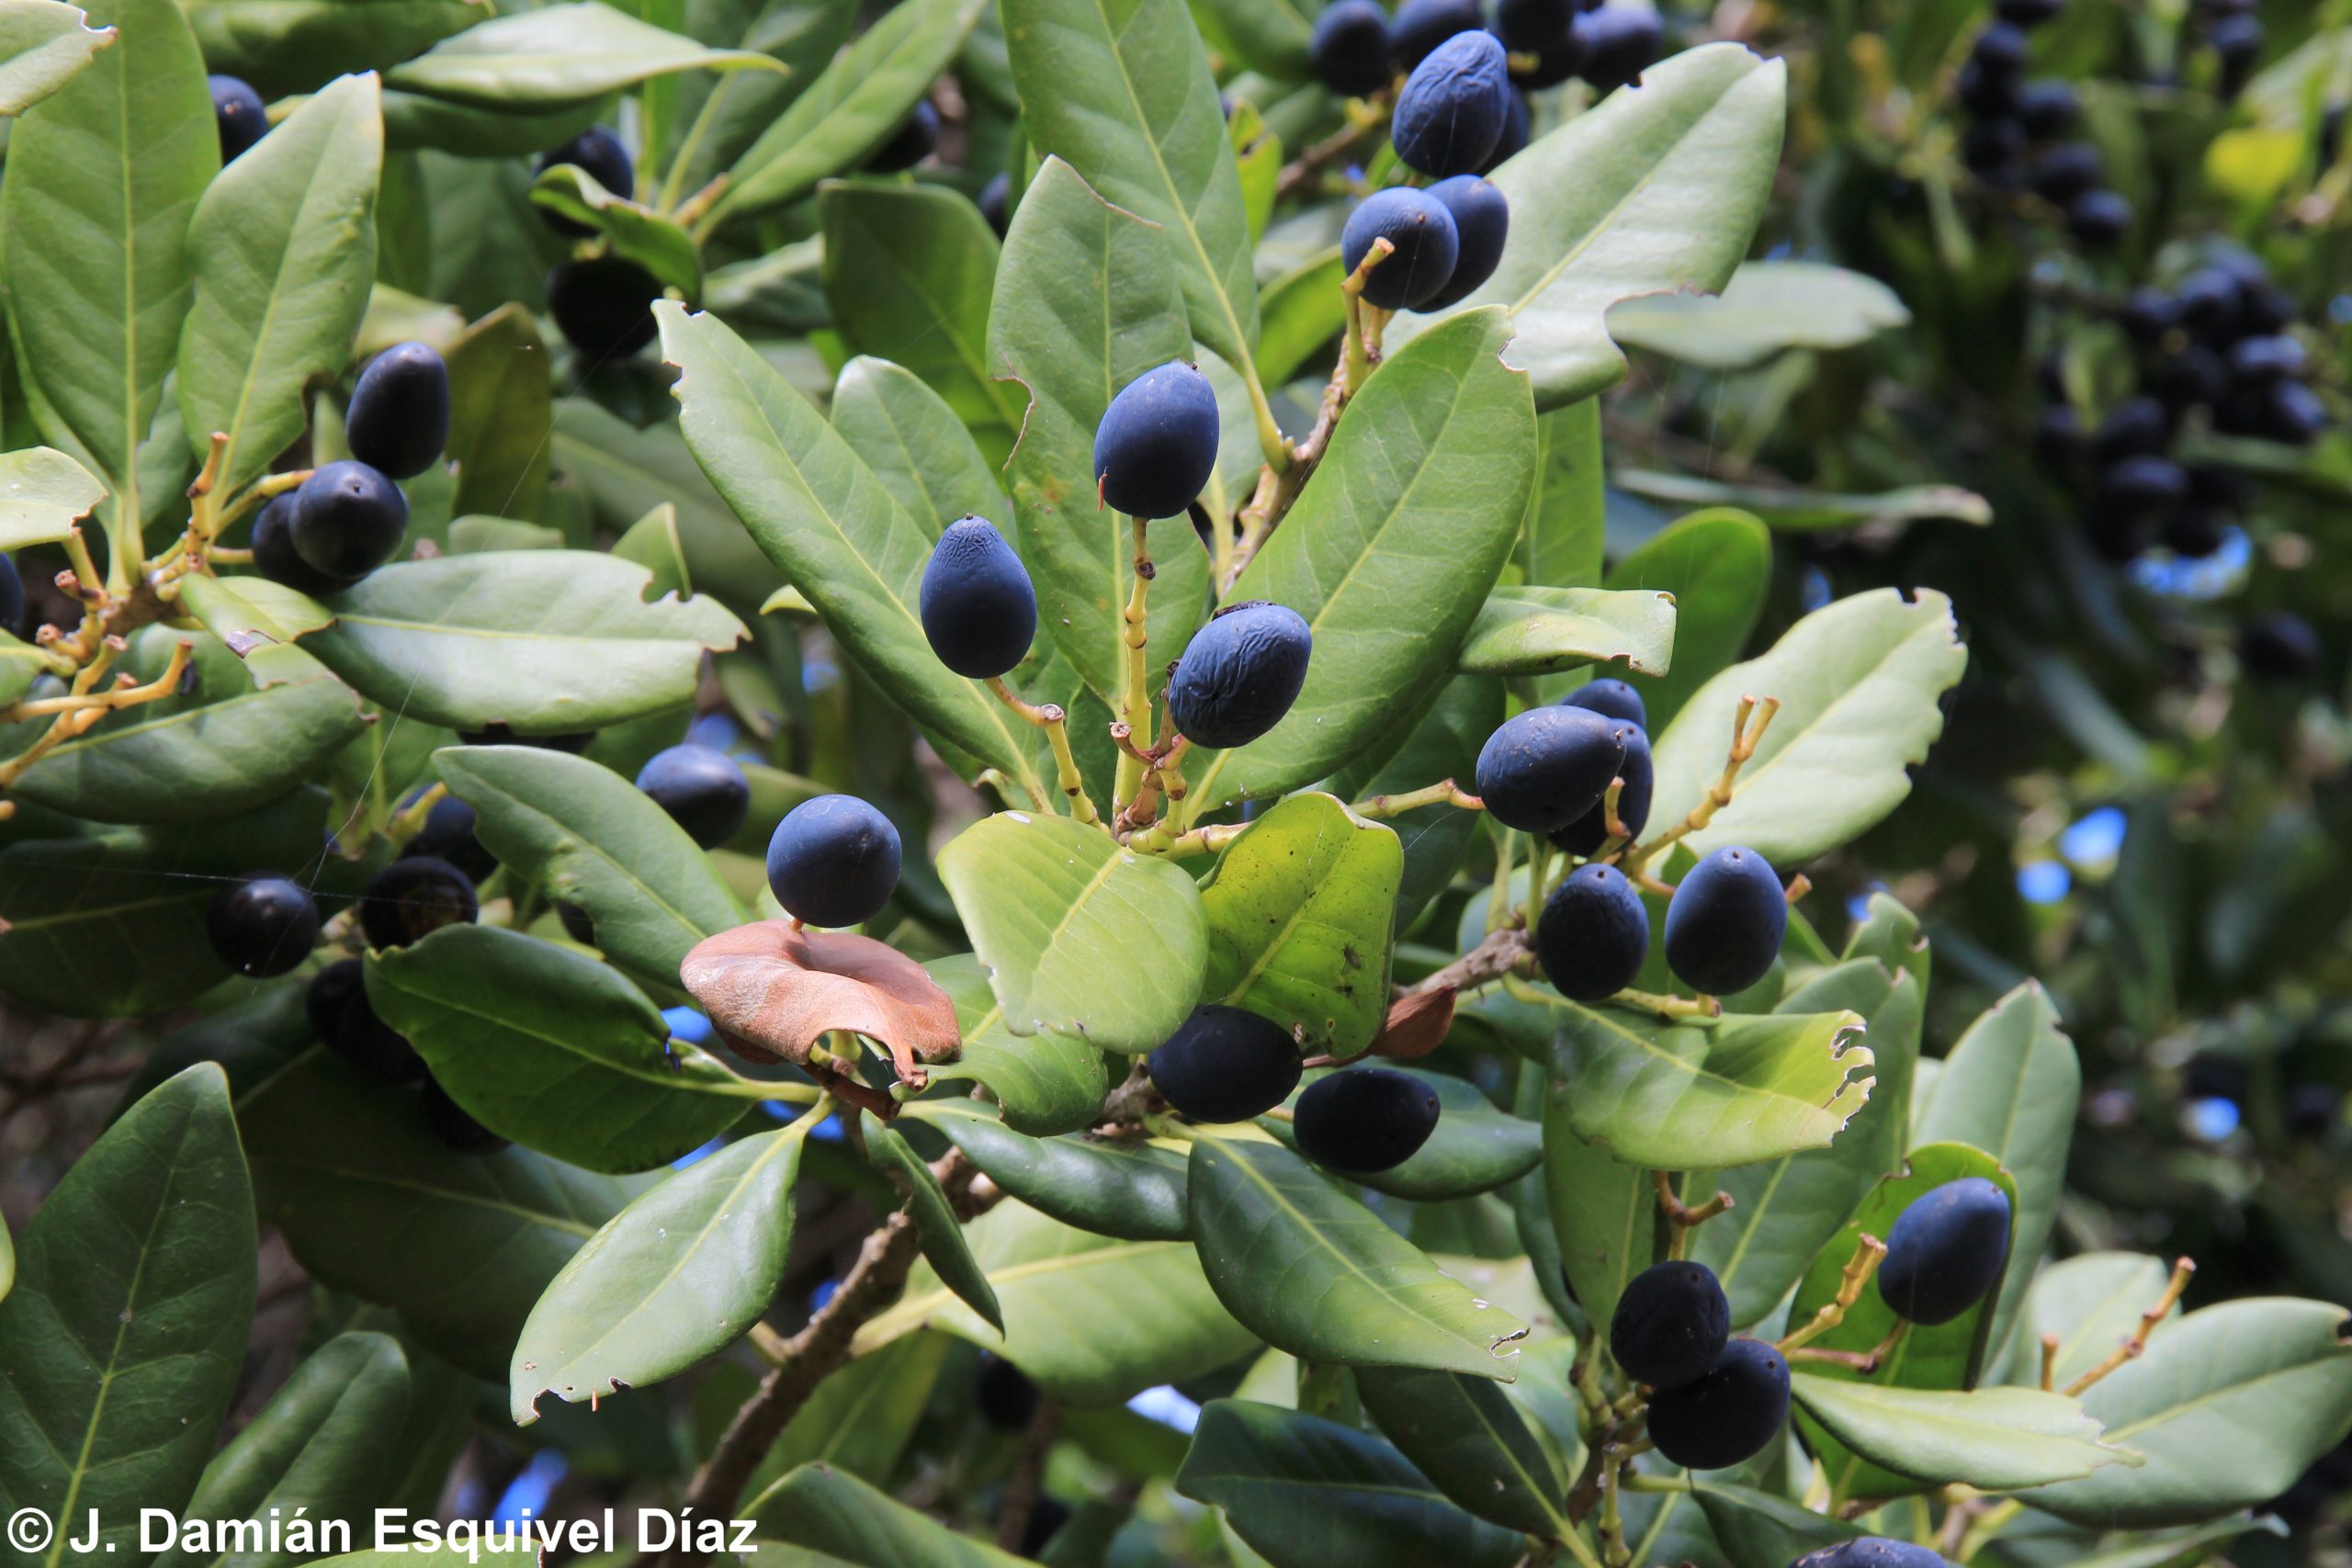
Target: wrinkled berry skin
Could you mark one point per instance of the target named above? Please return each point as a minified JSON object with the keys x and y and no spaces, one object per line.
{"x":1225,"y":1065}
{"x":451,"y":1124}
{"x":1157,"y":445}
{"x":448,"y":834}
{"x":978,"y":608}
{"x":1944,"y":1251}
{"x":833,"y":860}
{"x":1593,"y":934}
{"x":1422,"y":25}
{"x":916,"y":139}
{"x":704,"y":791}
{"x":1724,"y":923}
{"x":1427,"y":246}
{"x":399,"y":420}
{"x":1239,"y":674}
{"x":1618,"y":43}
{"x":261,"y":926}
{"x":1481,"y":223}
{"x":1672,"y":1324}
{"x":329,"y":992}
{"x":348,"y":519}
{"x":1615,"y":698}
{"x":411,"y":898}
{"x":238,"y":114}
{"x":603,"y":306}
{"x":1364,"y":1120}
{"x":373,"y":1048}
{"x":2279,"y":646}
{"x":1871,"y":1551}
{"x":276,"y":558}
{"x":1545,"y":768}
{"x":1729,"y":1415}
{"x":599,"y":154}
{"x":1518,"y":125}
{"x":1589,"y":831}
{"x":1350,"y":48}
{"x":1451,"y":112}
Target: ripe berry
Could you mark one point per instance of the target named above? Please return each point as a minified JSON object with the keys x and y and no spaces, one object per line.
{"x":2209,"y":303}
{"x":411,"y":898}
{"x":2266,"y":306}
{"x":704,"y":791}
{"x":1518,"y":124}
{"x":2148,"y":314}
{"x":1589,"y":831}
{"x":348,"y":519}
{"x":1945,"y":1250}
{"x":399,"y":420}
{"x":1451,"y":111}
{"x":2238,"y":41}
{"x":371,"y":1047}
{"x":329,"y":992}
{"x":448,"y":834}
{"x":833,"y":861}
{"x":2259,"y":361}
{"x":977,"y":607}
{"x":1157,"y":445}
{"x":2195,"y":375}
{"x":1617,"y":699}
{"x":1672,"y":1324}
{"x":1226,"y":1063}
{"x":12,"y":597}
{"x":1006,"y":1398}
{"x":603,"y":306}
{"x":238,"y":114}
{"x":1239,"y":674}
{"x":2058,"y":437}
{"x":1724,"y":922}
{"x":1986,"y":92}
{"x":2196,"y":532}
{"x":1618,"y":42}
{"x":1427,"y":246}
{"x":2279,"y":645}
{"x":2000,"y":50}
{"x":996,"y":199}
{"x":2143,"y":487}
{"x":1729,"y":1415}
{"x":1552,"y":67}
{"x":263,"y":925}
{"x":1871,"y":1551}
{"x":2135,"y":427}
{"x":1545,"y":768}
{"x":275,"y":556}
{"x":1350,"y":49}
{"x":1481,"y":223}
{"x":599,"y":154}
{"x":2066,"y":171}
{"x":2047,"y":109}
{"x":1422,"y":25}
{"x":1990,"y":148}
{"x":916,"y":139}
{"x":1593,"y":934}
{"x":1530,"y":27}
{"x":1364,"y":1119}
{"x":2294,"y":414}
{"x":2098,"y":219}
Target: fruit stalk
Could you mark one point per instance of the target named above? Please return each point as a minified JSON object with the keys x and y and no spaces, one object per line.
{"x":1869,"y":1253}
{"x":2149,"y":1321}
{"x":1445,"y":792}
{"x":1055,"y":721}
{"x":1744,"y":739}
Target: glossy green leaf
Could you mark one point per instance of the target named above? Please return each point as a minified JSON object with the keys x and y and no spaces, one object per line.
{"x":911,"y":439}
{"x":42,"y":44}
{"x":831,"y":1511}
{"x":1718,"y":567}
{"x":250,"y":612}
{"x":42,"y":490}
{"x":1475,"y":1147}
{"x":555,"y":56}
{"x":1444,"y":744}
{"x":724,"y":113}
{"x":291,"y":46}
{"x":287,"y":253}
{"x":678,"y":1275}
{"x":1803,"y":511}
{"x":1994,"y":1438}
{"x":2093,"y":1303}
{"x":1534,"y":631}
{"x":1315,"y":1273}
{"x":1390,"y":552}
{"x":1560,"y":543}
{"x":499,"y":415}
{"x":1043,"y":1083}
{"x":1301,"y":1489}
{"x":1270,"y":37}
{"x":122,"y":1342}
{"x":1859,"y":684}
{"x":1757,"y":1529}
{"x":635,"y":232}
{"x":1079,"y":934}
{"x":1604,"y":1213}
{"x":1128,"y":1189}
{"x":626,"y":473}
{"x":1299,"y":314}
{"x":936,"y":1223}
{"x":1768,"y":308}
{"x":1465,"y":1436}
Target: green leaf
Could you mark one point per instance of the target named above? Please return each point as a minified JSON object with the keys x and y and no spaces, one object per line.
{"x":1994,"y":1438}
{"x":42,"y":490}
{"x":1730,"y":1091}
{"x":2229,"y":1405}
{"x":499,"y":415}
{"x":1465,"y":1435}
{"x":556,"y":56}
{"x":552,"y":1049}
{"x":1073,"y":1318}
{"x":725,"y":113}
{"x":832,"y":529}
{"x":1651,"y":191}
{"x":317,"y":1450}
{"x":626,"y":473}
{"x":1299,"y":911}
{"x":831,"y":1511}
{"x":916,"y":446}
{"x":1534,"y":631}
{"x":1768,"y":308}
{"x":1858,"y":684}
{"x":1475,"y":1147}
{"x":1270,"y":37}
{"x":1086,"y":302}
{"x":678,"y":1275}
{"x":1757,"y":1529}
{"x":860,"y":1418}
{"x":1299,"y":313}
{"x":102,"y":179}
{"x":1301,"y":1489}
{"x":1315,"y":1273}
{"x":249,"y":612}
{"x":1079,"y":935}
{"x":1132,"y":1191}
{"x":936,"y":1223}
{"x":291,"y":46}
{"x":2093,"y":1304}
{"x":1560,"y":543}
{"x":1604,"y":1213}
{"x":125,"y":1334}
{"x":546,"y":641}
{"x":1043,"y":1083}
{"x":636,"y":232}
{"x":1122,"y":91}
{"x":1390,"y":551}
{"x":1803,"y":511}
{"x":589,"y":837}
{"x":286,"y":252}
{"x":853,"y":108}
{"x":1444,"y":744}
{"x":1718,"y":567}
{"x":42,"y":44}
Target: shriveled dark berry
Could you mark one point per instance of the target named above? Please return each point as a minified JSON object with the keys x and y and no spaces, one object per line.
{"x":1422,"y":25}
{"x":1871,"y":1551}
{"x":1364,"y":1120}
{"x":329,"y":990}
{"x":1226,"y":1063}
{"x":454,"y":1126}
{"x":1451,"y":111}
{"x":603,"y":306}
{"x":276,"y":558}
{"x":262,"y":925}
{"x":1593,"y":934}
{"x":1545,"y":768}
{"x":1617,"y":699}
{"x":703,"y":790}
{"x":1589,"y":831}
{"x":1945,"y":1250}
{"x":399,"y":420}
{"x":833,"y":860}
{"x":1530,"y":27}
{"x":2279,"y":645}
{"x":1481,"y":223}
{"x":916,"y":139}
{"x":411,"y":898}
{"x":1426,"y":246}
{"x":1240,"y":673}
{"x":978,"y":610}
{"x":598,"y":153}
{"x":238,"y":114}
{"x":373,"y":1048}
{"x":1350,"y":48}
{"x":348,"y":519}
{"x":1672,"y":1324}
{"x":2098,"y":219}
{"x":448,"y":834}
{"x":1726,"y":921}
{"x":1156,"y":446}
{"x":1727,"y":1416}
{"x":1617,"y":43}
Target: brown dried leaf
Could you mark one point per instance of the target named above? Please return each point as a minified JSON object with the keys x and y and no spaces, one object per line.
{"x":1415,"y":1024}
{"x":775,"y":989}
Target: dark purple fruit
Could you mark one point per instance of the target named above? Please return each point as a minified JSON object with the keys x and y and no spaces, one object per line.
{"x":1226,"y":1063}
{"x":1545,"y":768}
{"x":1518,"y":125}
{"x":373,"y":1048}
{"x":2135,"y":427}
{"x":2066,"y":171}
{"x":1426,"y":246}
{"x":238,"y":114}
{"x":2143,"y":487}
{"x":2294,"y":414}
{"x":2279,"y":645}
{"x":348,"y":519}
{"x":916,"y":139}
{"x":1006,"y":1398}
{"x":1726,"y":921}
{"x":452,"y":1124}
{"x":448,"y":834}
{"x":1589,"y":831}
{"x":1532,"y":26}
{"x":2148,"y":314}
{"x":276,"y":558}
{"x":996,"y":198}
{"x":262,"y":925}
{"x":1156,"y":446}
{"x":1350,"y":48}
{"x":1239,"y":674}
{"x":1999,"y":49}
{"x":1729,"y":1415}
{"x":1593,"y":934}
{"x":704,"y":791}
{"x":603,"y":306}
{"x":833,"y":861}
{"x":329,"y":992}
{"x":978,"y":610}
{"x":2047,"y":109}
{"x":399,"y":420}
{"x":1945,"y":1251}
{"x":1481,"y":224}
{"x":598,"y":153}
{"x":2259,"y":361}
{"x":411,"y":898}
{"x":1422,"y":25}
{"x":1364,"y":1119}
{"x":1672,"y":1324}
{"x":1871,"y":1551}
{"x":2098,"y":219}
{"x":1617,"y":43}
{"x":1451,"y":111}
{"x":1617,"y":699}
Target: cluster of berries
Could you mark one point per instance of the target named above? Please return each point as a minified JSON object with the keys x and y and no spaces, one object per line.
{"x":1357,"y":49}
{"x":349,"y":517}
{"x":2016,"y":138}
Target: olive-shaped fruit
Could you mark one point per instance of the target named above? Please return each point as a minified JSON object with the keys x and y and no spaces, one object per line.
{"x":1724,"y":923}
{"x":1422,"y":25}
{"x":1990,"y":149}
{"x":2209,"y":301}
{"x":1451,"y":110}
{"x":2147,"y":314}
{"x":1593,"y":934}
{"x":978,"y":608}
{"x":1729,"y":1415}
{"x":2196,"y":532}
{"x":2058,"y":440}
{"x":2279,"y":645}
{"x":2135,"y":427}
{"x":1364,"y":1120}
{"x":329,"y":992}
{"x":1157,"y":445}
{"x":603,"y":306}
{"x":348,"y":519}
{"x":1239,"y":674}
{"x":1545,"y":768}
{"x":262,"y":925}
{"x":2066,"y":171}
{"x":12,"y":597}
{"x":1530,"y":27}
{"x":2294,"y":414}
{"x":238,"y":114}
{"x":448,"y":834}
{"x":1589,"y":831}
{"x":452,"y":1124}
{"x":1618,"y":43}
{"x":2143,"y":486}
{"x":1552,"y":66}
{"x":2196,"y":374}
{"x":411,"y":898}
{"x":1871,"y":1551}
{"x":598,"y":153}
{"x":1226,"y":1063}
{"x":995,"y":200}
{"x":1945,"y":1250}
{"x":1425,"y":242}
{"x":371,"y":1047}
{"x":2047,"y":109}
{"x":1481,"y":223}
{"x":276,"y":558}
{"x":2098,"y":219}
{"x":1518,"y":123}
{"x":2237,"y":40}
{"x":399,"y":420}
{"x":2000,"y":48}
{"x":1616,"y":698}
{"x":916,"y":139}
{"x":1672,"y":1324}
{"x":2270,"y":356}
{"x":1350,"y":48}
{"x":833,"y":860}
{"x":703,"y":790}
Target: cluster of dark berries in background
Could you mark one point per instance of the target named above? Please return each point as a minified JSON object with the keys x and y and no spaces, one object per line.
{"x":2016,"y":134}
{"x":1872,"y":1552}
{"x":1358,"y":48}
{"x":349,"y":517}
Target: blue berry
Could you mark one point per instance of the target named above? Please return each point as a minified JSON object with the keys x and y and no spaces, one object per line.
{"x":1593,"y":934}
{"x":1945,"y":1250}
{"x":1239,"y":674}
{"x":347,"y":519}
{"x":399,"y":420}
{"x":1726,"y":922}
{"x":1421,"y":229}
{"x":833,"y":860}
{"x":1157,"y":445}
{"x":1545,"y":768}
{"x":1452,"y":110}
{"x":1481,"y":223}
{"x":704,"y":791}
{"x":978,"y":609}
